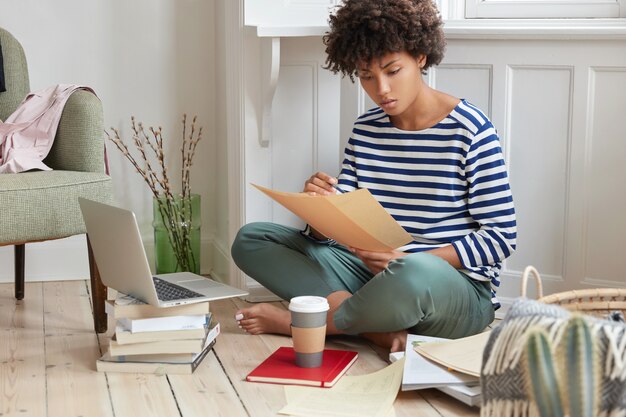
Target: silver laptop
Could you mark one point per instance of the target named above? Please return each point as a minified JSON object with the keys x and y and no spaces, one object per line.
{"x":123,"y":265}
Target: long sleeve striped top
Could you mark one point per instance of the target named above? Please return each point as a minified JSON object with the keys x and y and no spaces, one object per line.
{"x":447,"y":184}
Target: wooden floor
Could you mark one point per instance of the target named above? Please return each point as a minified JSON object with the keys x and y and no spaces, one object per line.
{"x":48,"y":351}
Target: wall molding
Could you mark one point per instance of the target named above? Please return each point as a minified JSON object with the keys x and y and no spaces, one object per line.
{"x":490,"y":29}
{"x":234,"y":37}
{"x":603,"y":283}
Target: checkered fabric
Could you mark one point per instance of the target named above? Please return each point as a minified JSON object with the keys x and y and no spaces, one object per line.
{"x":42,"y":205}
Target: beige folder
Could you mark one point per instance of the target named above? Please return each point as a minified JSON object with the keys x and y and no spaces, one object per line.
{"x":461,"y":355}
{"x":354,"y":219}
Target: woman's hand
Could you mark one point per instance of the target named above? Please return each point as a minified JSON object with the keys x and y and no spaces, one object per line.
{"x":377,"y":261}
{"x":320,"y":183}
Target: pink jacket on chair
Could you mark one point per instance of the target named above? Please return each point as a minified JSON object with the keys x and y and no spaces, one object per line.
{"x":28,"y":133}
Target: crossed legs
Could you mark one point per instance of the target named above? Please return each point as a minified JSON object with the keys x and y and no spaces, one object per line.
{"x":419,"y":292}
{"x":267,"y":318}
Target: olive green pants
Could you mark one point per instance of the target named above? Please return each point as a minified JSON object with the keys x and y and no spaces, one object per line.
{"x":420,"y":292}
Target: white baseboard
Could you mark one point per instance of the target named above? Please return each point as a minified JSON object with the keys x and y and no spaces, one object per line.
{"x":55,"y":260}
{"x":506,"y":303}
{"x":259,"y":293}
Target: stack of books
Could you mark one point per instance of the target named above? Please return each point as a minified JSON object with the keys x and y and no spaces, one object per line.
{"x":148,"y":339}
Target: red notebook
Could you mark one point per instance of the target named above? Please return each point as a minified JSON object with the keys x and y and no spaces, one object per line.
{"x":280,"y":368}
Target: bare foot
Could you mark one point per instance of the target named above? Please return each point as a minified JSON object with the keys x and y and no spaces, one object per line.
{"x":395,"y":341}
{"x":264,"y":318}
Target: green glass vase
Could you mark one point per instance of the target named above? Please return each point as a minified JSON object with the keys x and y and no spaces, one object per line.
{"x":176,"y":223}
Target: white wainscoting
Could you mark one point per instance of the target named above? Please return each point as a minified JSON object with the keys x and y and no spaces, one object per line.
{"x":558,"y":106}
{"x":304,"y":128}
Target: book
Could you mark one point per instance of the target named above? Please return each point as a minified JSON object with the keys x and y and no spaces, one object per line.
{"x":422,"y":373}
{"x":184,"y":357}
{"x":125,"y":306}
{"x":125,"y":336}
{"x":164,"y":323}
{"x":280,"y":368}
{"x":354,"y":219}
{"x":469,"y":394}
{"x":163,"y":346}
{"x":108,"y":363}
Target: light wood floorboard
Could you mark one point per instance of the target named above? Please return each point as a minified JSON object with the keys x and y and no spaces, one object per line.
{"x":73,"y":388}
{"x":48,"y":351}
{"x":22,"y":350}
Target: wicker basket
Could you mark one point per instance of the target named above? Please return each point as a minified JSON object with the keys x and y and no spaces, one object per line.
{"x":598,"y":302}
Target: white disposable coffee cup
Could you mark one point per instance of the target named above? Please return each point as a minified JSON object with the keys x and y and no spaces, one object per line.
{"x":308,"y":329}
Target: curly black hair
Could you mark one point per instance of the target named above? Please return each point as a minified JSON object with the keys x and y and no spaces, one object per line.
{"x":363,"y":30}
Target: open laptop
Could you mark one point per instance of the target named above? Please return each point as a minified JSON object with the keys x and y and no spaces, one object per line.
{"x":123,"y":265}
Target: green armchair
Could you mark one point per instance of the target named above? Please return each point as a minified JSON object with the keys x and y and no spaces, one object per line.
{"x":43,"y":205}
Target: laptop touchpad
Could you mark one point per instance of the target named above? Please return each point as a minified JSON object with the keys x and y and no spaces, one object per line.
{"x":199,"y":284}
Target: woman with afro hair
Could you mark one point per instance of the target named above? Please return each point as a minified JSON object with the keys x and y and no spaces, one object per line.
{"x":433,"y":161}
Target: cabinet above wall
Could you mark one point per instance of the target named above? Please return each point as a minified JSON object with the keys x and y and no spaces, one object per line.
{"x":288,"y":14}
{"x":271,"y":20}
{"x":293,"y":18}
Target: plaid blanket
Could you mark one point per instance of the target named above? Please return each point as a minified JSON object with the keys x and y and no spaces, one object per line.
{"x":504,"y":382}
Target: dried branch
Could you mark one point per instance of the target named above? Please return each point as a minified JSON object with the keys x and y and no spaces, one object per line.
{"x":176,"y":213}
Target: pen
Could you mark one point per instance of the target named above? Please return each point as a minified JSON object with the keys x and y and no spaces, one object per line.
{"x":338,"y":191}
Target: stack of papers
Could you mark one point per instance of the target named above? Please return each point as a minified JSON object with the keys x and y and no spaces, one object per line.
{"x":422,"y":373}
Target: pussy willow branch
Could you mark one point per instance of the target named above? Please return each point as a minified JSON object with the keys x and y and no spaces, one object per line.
{"x":176,"y":217}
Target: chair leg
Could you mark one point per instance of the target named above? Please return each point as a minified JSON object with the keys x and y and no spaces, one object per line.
{"x":20,"y":251}
{"x":98,"y":293}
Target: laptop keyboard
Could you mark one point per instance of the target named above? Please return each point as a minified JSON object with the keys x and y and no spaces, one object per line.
{"x":166,"y":291}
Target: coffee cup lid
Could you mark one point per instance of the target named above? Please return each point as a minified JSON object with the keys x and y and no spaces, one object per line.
{"x":308,"y":304}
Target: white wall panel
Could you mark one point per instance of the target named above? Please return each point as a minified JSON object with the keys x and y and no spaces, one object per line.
{"x":294,"y":139}
{"x":257,"y":158}
{"x":539,"y":140}
{"x":304,"y":129}
{"x":470,"y":82}
{"x":304,"y":125}
{"x":606,"y":178}
{"x":558,"y":107}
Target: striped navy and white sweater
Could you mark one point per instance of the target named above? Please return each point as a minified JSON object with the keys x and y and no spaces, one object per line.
{"x":447,"y":184}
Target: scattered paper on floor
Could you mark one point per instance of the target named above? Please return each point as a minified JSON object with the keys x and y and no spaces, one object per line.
{"x":369,"y":395}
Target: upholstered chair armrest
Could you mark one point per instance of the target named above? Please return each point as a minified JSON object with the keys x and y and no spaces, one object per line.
{"x":79,"y":142}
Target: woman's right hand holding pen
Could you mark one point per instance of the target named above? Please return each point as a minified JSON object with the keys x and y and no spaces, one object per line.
{"x":320,"y":183}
